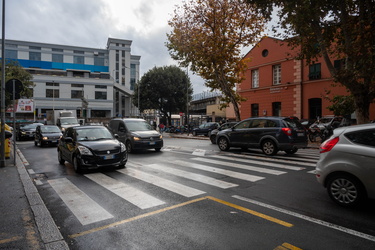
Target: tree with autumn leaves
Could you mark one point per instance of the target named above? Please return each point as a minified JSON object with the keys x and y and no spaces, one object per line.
{"x":207,"y":36}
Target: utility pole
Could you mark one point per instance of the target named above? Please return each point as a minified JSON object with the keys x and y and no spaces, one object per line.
{"x":2,"y":108}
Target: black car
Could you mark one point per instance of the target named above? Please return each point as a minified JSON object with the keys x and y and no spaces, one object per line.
{"x":47,"y":135}
{"x":214,"y":132}
{"x":90,"y":147}
{"x":205,"y":128}
{"x":26,"y":131}
{"x":136,"y":134}
{"x":270,"y":134}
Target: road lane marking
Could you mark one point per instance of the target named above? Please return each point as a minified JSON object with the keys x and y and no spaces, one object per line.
{"x":118,"y":223}
{"x":192,"y":176}
{"x":131,"y":194}
{"x":240,"y":166}
{"x":286,"y":246}
{"x":307,"y":218}
{"x":85,"y":209}
{"x":199,"y":152}
{"x":163,"y":183}
{"x":246,"y":177}
{"x":264,"y":163}
{"x":12,"y":239}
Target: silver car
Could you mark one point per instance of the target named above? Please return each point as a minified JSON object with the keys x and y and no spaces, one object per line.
{"x":347,"y":164}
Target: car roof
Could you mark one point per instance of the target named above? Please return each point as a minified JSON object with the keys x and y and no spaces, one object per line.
{"x":354,"y":128}
{"x":129,"y":119}
{"x":88,"y":127}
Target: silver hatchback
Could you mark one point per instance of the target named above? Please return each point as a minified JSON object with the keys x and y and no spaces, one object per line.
{"x":347,"y":164}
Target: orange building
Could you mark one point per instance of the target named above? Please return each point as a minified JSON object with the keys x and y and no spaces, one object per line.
{"x":277,"y":84}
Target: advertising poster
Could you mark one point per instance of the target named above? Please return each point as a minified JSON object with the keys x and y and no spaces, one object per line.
{"x":25,"y":106}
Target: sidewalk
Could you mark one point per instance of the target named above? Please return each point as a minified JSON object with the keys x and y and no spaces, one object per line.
{"x":25,"y":222}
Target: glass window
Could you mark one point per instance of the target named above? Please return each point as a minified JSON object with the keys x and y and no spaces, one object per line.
{"x":77,"y":85}
{"x":276,"y":108}
{"x":365,"y":137}
{"x":242,"y":125}
{"x":99,"y":61}
{"x":100,"y":95}
{"x":10,"y":53}
{"x":52,"y":93}
{"x":315,"y":71}
{"x":254,"y":109}
{"x":101,"y":86}
{"x":57,"y":58}
{"x":79,"y":59}
{"x":77,"y":94}
{"x":276,"y":74}
{"x":255,"y":78}
{"x":52,"y":84}
{"x":35,"y":56}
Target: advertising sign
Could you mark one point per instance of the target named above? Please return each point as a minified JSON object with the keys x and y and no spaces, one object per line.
{"x":23,"y":106}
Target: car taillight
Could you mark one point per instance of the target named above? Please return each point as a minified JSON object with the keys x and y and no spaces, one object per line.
{"x":287,"y":131}
{"x":328,"y":145}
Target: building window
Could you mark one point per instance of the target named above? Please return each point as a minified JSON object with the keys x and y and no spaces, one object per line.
{"x":35,"y":56}
{"x":100,"y":95}
{"x":255,"y":110}
{"x":255,"y":78}
{"x":57,"y":58}
{"x":276,"y":69}
{"x":79,"y":59}
{"x":265,"y":53}
{"x":132,"y":83}
{"x":76,"y":94}
{"x":98,"y":61}
{"x":52,"y":84}
{"x":315,"y":71}
{"x":340,"y":64}
{"x":52,"y":93}
{"x":276,"y":108}
{"x":77,"y":85}
{"x":101,"y":86}
{"x":12,"y":54}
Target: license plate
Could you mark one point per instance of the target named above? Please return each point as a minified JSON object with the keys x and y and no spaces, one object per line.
{"x":300,"y":134}
{"x":108,"y":157}
{"x":152,"y":143}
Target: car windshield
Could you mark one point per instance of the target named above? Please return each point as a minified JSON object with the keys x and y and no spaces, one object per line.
{"x":30,"y":126}
{"x":93,"y":134}
{"x":50,"y":129}
{"x":325,"y":119}
{"x":138,"y":126}
{"x":69,"y":120}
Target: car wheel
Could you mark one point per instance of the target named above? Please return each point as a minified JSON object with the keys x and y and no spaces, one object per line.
{"x":76,"y":165}
{"x":59,"y":156}
{"x":213,"y":139}
{"x":223,"y":144}
{"x":157,"y":149}
{"x":345,"y":190}
{"x":128,"y":146}
{"x":291,"y":151}
{"x":269,"y":147}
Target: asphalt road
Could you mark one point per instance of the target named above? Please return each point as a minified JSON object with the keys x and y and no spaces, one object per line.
{"x":192,"y":196}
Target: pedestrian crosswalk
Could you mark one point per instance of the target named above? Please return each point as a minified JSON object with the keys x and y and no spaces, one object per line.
{"x":185,"y":178}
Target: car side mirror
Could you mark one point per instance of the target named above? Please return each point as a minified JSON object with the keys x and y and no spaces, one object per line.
{"x":116,"y":136}
{"x":8,"y":134}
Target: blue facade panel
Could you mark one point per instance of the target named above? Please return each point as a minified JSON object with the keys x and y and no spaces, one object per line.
{"x":62,"y":66}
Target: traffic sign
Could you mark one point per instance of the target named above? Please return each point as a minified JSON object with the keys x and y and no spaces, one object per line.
{"x":18,"y":87}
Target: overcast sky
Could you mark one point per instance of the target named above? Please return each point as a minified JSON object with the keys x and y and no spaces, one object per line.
{"x":89,"y":23}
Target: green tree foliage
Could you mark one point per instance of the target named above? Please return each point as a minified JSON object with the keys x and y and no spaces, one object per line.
{"x":13,"y":70}
{"x":335,"y":30}
{"x":166,"y":89}
{"x":342,"y":105}
{"x":208,"y":35}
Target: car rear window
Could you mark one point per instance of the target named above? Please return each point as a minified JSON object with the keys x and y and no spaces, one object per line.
{"x":293,"y":123}
{"x":365,"y":137}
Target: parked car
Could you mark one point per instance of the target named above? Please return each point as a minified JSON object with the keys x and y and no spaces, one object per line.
{"x":214,"y":132}
{"x":270,"y":134}
{"x":47,"y":135}
{"x":91,"y":147}
{"x":136,"y":134}
{"x":325,"y":122}
{"x":26,"y":131}
{"x":205,"y":128}
{"x":346,"y":166}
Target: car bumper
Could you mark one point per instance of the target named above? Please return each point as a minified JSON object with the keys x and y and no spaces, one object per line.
{"x":102,"y":161}
{"x":147,"y":144}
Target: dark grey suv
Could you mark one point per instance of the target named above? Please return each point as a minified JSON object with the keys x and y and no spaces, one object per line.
{"x":271,"y":134}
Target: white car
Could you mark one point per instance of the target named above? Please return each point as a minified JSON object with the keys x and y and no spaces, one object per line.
{"x":347,"y":164}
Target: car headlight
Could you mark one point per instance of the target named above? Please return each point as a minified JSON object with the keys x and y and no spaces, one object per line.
{"x":123,"y":147}
{"x":23,"y":132}
{"x":161,"y":137}
{"x":45,"y":138}
{"x":136,"y":138}
{"x":63,"y":130}
{"x":84,"y":151}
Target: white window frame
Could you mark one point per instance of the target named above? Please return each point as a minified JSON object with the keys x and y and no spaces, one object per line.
{"x":276,"y":72}
{"x":255,"y":78}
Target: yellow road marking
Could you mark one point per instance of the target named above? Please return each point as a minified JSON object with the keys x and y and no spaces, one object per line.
{"x":266,"y":217}
{"x":15,"y":238}
{"x":291,"y":247}
{"x":115,"y":224}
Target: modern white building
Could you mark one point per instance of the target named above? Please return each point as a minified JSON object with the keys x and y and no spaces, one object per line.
{"x":95,"y":82}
